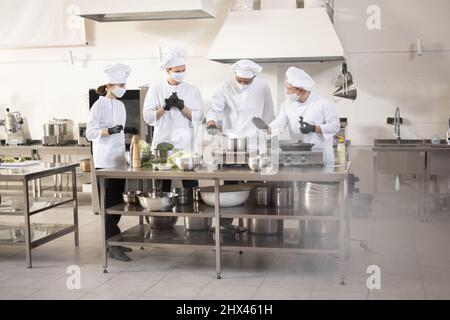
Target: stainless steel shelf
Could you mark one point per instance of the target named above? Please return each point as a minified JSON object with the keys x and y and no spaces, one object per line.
{"x":50,"y":203}
{"x":144,"y":236}
{"x":244,"y":211}
{"x":14,"y":235}
{"x":291,"y":241}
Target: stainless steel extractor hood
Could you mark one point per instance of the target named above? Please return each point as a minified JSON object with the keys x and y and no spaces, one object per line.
{"x":295,"y":35}
{"x":136,"y":10}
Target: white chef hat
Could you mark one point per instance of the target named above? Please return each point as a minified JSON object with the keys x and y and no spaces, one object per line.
{"x":246,"y":68}
{"x":299,"y":79}
{"x":176,"y":57}
{"x":117,"y":73}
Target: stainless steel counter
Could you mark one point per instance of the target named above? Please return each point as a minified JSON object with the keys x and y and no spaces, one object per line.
{"x":142,"y":236}
{"x":31,"y":173}
{"x":206,"y":173}
{"x":420,"y":158}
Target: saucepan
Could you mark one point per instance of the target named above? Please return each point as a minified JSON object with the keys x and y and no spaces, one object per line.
{"x":236,"y":144}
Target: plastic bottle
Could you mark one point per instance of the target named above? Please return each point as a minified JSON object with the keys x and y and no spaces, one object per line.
{"x":135,"y":154}
{"x":341,"y":154}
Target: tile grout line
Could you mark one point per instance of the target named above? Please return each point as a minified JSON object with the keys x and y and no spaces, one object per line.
{"x":165,"y":275}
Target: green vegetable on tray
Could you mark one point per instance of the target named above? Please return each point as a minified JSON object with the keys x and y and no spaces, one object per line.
{"x":14,"y":160}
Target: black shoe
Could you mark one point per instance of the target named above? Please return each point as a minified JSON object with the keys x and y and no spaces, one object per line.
{"x":117,"y":253}
{"x":125,"y":249}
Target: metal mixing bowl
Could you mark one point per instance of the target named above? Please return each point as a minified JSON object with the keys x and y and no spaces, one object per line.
{"x":158,"y":201}
{"x":188,"y":164}
{"x":130,"y":196}
{"x":319,"y":198}
{"x":160,"y":222}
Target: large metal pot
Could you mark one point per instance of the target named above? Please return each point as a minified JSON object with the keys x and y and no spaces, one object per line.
{"x":55,"y":129}
{"x":319,"y":198}
{"x":236,"y":144}
{"x":283,"y":197}
{"x":185,"y":195}
{"x":264,"y":226}
{"x":197,"y":224}
{"x":262,"y":195}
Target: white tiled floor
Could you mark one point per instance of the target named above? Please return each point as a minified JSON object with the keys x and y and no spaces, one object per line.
{"x":414,"y":258}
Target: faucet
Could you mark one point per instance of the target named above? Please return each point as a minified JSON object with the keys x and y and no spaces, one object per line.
{"x":397,"y":125}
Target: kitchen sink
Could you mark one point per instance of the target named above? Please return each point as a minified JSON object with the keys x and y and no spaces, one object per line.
{"x":392,"y":161}
{"x":403,"y":143}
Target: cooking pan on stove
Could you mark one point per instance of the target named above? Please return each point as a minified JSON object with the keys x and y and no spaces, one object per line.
{"x":296,"y":146}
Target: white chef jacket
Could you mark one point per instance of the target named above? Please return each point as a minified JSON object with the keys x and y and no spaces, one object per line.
{"x":108,"y":152}
{"x":173,"y":127}
{"x":236,"y":108}
{"x":316,"y":110}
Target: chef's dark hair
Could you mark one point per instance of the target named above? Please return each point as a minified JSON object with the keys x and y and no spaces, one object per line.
{"x":101,"y":91}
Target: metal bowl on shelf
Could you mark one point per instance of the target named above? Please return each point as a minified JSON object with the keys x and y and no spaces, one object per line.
{"x":158,"y":201}
{"x":161,"y":222}
{"x":227,"y":199}
{"x":197,"y":223}
{"x":130,"y":197}
{"x":264,"y":226}
{"x":319,"y":198}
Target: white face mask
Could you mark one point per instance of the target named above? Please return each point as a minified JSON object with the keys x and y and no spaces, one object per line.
{"x":292,"y":97}
{"x":177,"y":76}
{"x":241,"y":86}
{"x":118,"y":91}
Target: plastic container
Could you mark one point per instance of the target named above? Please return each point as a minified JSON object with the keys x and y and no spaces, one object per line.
{"x":341,"y":154}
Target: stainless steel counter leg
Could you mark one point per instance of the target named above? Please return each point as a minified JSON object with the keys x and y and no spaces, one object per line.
{"x":141,"y":187}
{"x":27,"y":223}
{"x":103,"y":216}
{"x":75,"y":206}
{"x":426,"y":187}
{"x":39,"y":188}
{"x":217,"y":227}
{"x":342,"y":231}
{"x":375,"y":186}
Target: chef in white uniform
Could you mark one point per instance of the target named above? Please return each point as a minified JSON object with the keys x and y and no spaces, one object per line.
{"x":173,"y":115}
{"x":239,"y":100}
{"x":308,"y":116}
{"x":106,"y":128}
{"x":173,"y":107}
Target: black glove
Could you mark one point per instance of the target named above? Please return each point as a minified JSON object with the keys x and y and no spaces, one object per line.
{"x":212,"y":129}
{"x":171,"y":101}
{"x":115,"y":130}
{"x":131,"y":130}
{"x":259,"y":123}
{"x":179,"y":104}
{"x":306,"y":127}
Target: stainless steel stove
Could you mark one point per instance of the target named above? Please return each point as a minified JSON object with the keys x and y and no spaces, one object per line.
{"x":301,"y":158}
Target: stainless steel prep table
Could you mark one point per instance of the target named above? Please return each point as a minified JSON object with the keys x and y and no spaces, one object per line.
{"x":427,"y":160}
{"x":30,"y":173}
{"x":218,"y":240}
